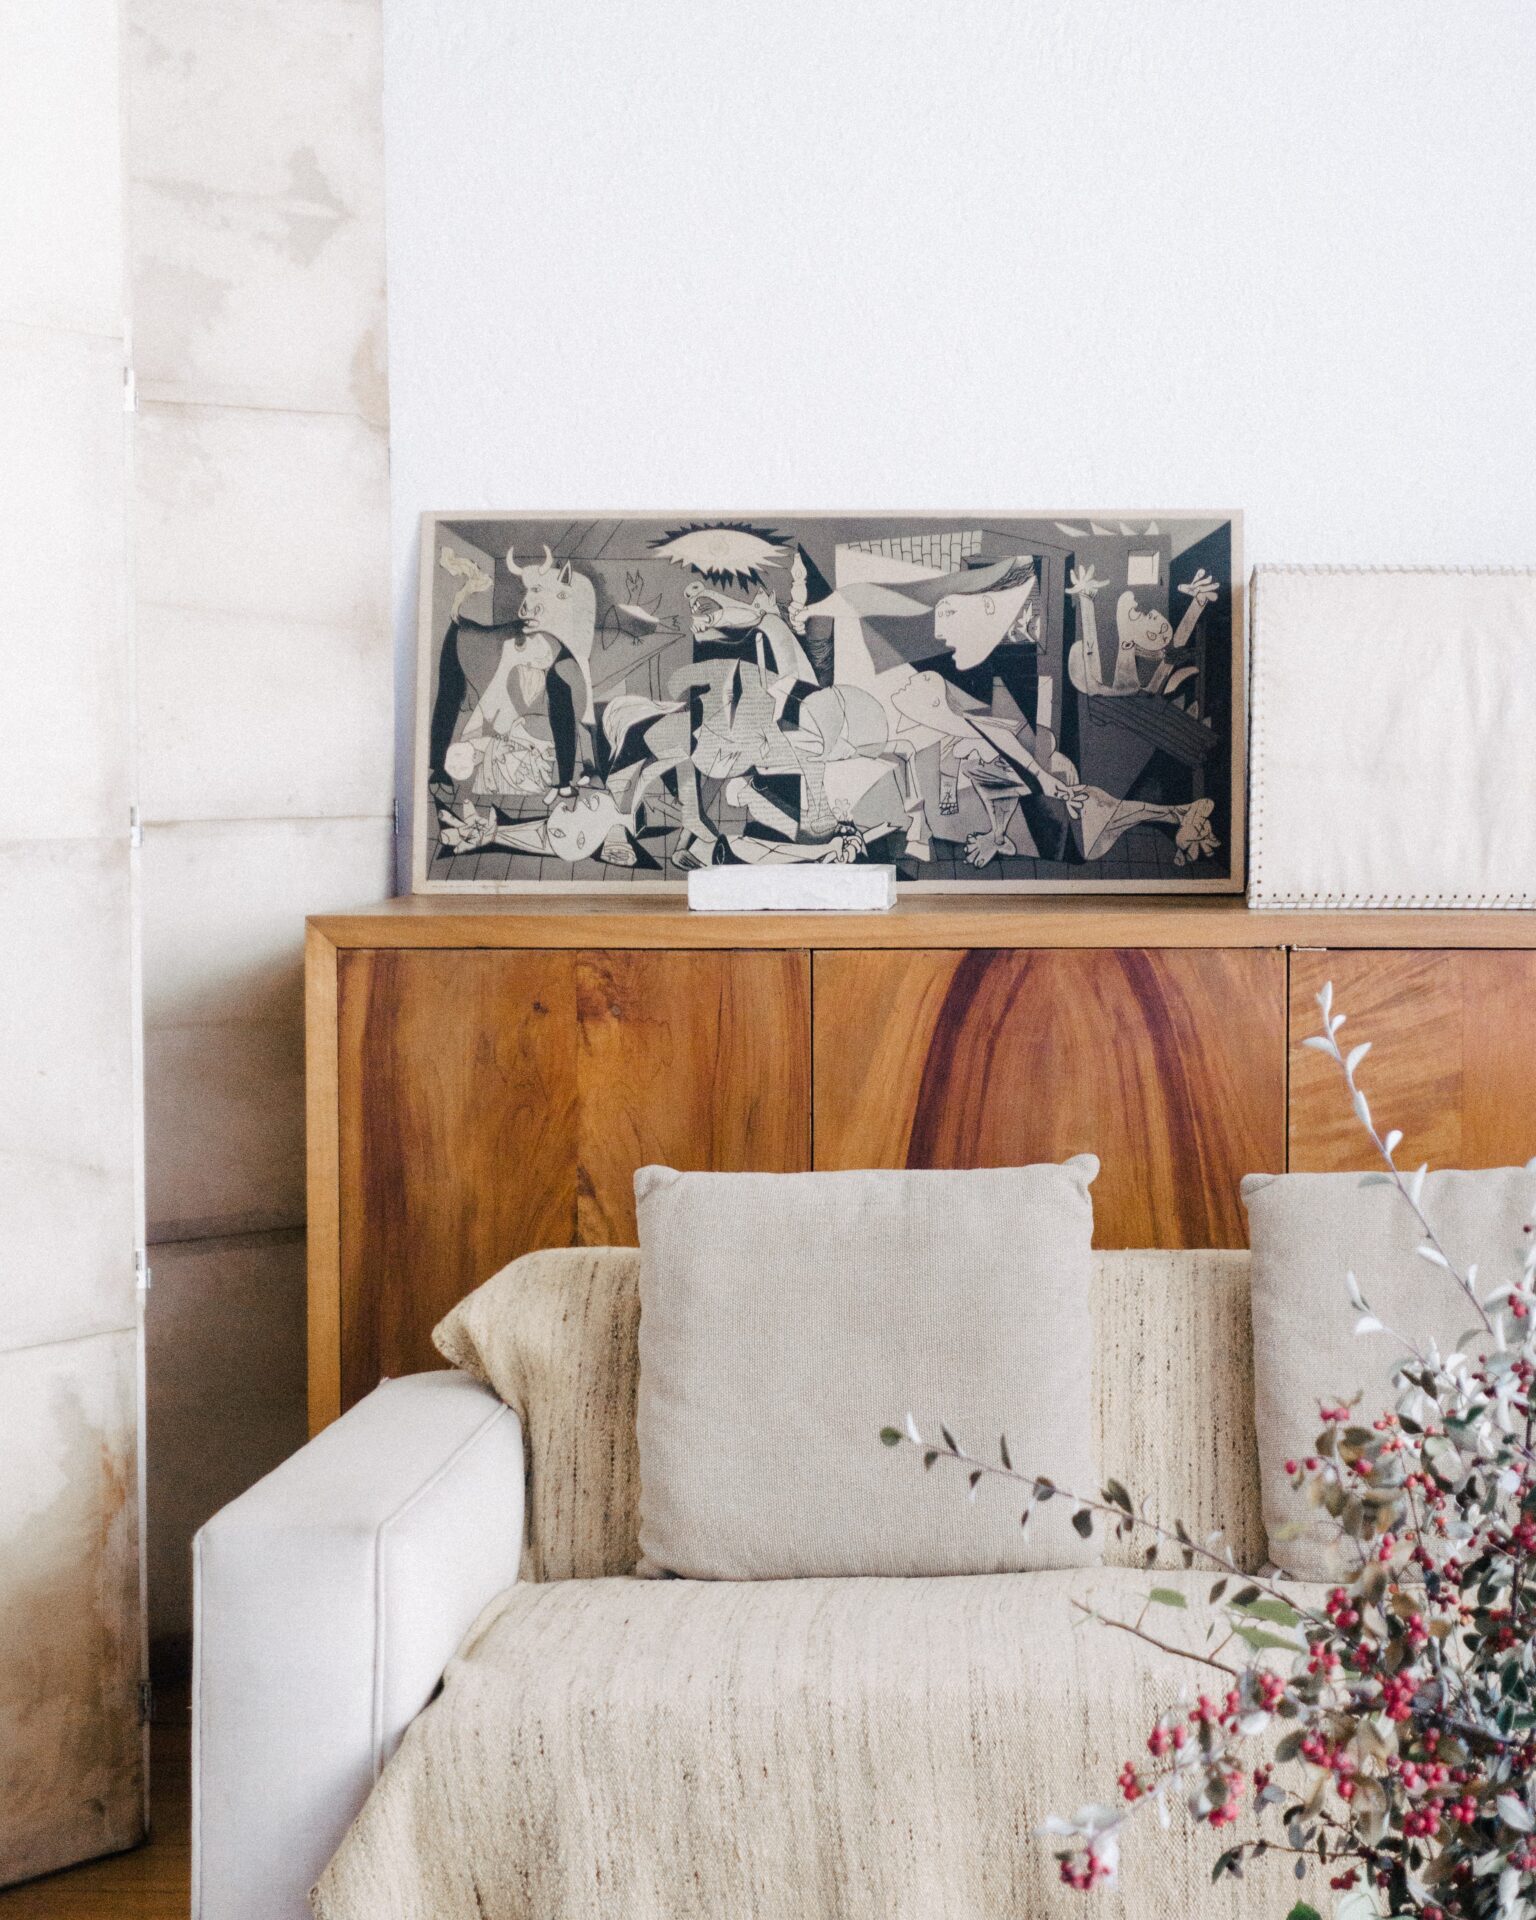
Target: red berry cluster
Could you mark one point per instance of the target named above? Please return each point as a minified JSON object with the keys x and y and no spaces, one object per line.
{"x":1401,"y":1689}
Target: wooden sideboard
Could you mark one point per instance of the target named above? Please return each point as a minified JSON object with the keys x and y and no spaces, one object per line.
{"x":484,"y":1078}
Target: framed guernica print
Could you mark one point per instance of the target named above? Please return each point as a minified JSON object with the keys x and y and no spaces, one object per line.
{"x":1041,"y":702}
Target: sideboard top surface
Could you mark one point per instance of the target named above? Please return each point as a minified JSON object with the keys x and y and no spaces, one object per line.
{"x":922,"y":920}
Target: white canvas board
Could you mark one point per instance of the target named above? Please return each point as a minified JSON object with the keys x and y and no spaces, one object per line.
{"x":1393,"y":753}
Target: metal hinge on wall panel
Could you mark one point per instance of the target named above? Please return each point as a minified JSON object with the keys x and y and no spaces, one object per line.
{"x":135,"y":828}
{"x":146,"y":1702}
{"x":130,"y":391}
{"x":143,"y":1273}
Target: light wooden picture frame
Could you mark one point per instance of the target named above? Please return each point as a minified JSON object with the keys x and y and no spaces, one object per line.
{"x":1022,"y":702}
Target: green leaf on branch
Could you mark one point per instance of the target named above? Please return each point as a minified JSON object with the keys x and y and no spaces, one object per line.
{"x":1167,"y":1597}
{"x":1273,"y":1610}
{"x":889,"y":1437}
{"x":1301,"y":1911}
{"x":1258,"y":1640}
{"x":1082,"y":1523}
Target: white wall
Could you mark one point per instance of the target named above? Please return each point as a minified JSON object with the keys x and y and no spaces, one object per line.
{"x":975,"y":253}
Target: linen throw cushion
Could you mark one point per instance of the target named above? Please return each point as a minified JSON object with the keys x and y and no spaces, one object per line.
{"x":1308,"y":1231}
{"x":786,"y":1318}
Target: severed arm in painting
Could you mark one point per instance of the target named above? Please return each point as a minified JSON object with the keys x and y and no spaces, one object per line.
{"x":1085,"y":664}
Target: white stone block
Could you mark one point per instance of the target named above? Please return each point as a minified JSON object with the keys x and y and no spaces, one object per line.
{"x":64,"y":730}
{"x":68,"y":1102}
{"x":61,"y":214}
{"x":71,"y":1747}
{"x":796,"y":889}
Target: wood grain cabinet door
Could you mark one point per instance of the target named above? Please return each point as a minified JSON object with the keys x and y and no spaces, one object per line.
{"x":692,"y":1060}
{"x":1168,"y":1063}
{"x":491,"y":1102}
{"x":1452,"y":1061}
{"x":456,"y":1137}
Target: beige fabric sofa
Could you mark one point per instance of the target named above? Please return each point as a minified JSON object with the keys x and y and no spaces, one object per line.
{"x":603,"y":1745}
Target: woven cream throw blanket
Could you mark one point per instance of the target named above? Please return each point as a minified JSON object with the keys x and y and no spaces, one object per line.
{"x":785,"y":1750}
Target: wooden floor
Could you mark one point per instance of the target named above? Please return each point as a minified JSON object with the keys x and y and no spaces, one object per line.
{"x":153,"y":1882}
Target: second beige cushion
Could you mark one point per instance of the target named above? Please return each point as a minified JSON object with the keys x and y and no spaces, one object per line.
{"x":1308,"y":1230}
{"x":786,"y":1318}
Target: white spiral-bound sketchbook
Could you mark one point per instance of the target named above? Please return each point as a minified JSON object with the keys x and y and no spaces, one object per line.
{"x":1393,"y":753}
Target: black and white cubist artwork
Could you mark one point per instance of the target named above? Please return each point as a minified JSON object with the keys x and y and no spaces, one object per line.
{"x":1038,"y":702}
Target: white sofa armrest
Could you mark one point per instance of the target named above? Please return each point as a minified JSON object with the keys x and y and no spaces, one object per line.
{"x":328,"y":1600}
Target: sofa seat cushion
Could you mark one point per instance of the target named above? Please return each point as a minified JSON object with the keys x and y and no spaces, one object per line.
{"x":781,"y":1750}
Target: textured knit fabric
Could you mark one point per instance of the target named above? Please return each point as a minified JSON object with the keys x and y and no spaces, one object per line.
{"x":1308,"y":1231}
{"x":782,"y":1750}
{"x":786,"y":1318}
{"x":555,"y":1335}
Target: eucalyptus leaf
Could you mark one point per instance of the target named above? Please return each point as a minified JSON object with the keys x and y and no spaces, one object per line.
{"x":1278,"y":1612}
{"x":1259,"y":1640}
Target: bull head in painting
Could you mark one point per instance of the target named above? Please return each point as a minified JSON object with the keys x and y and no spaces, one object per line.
{"x":561,"y":603}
